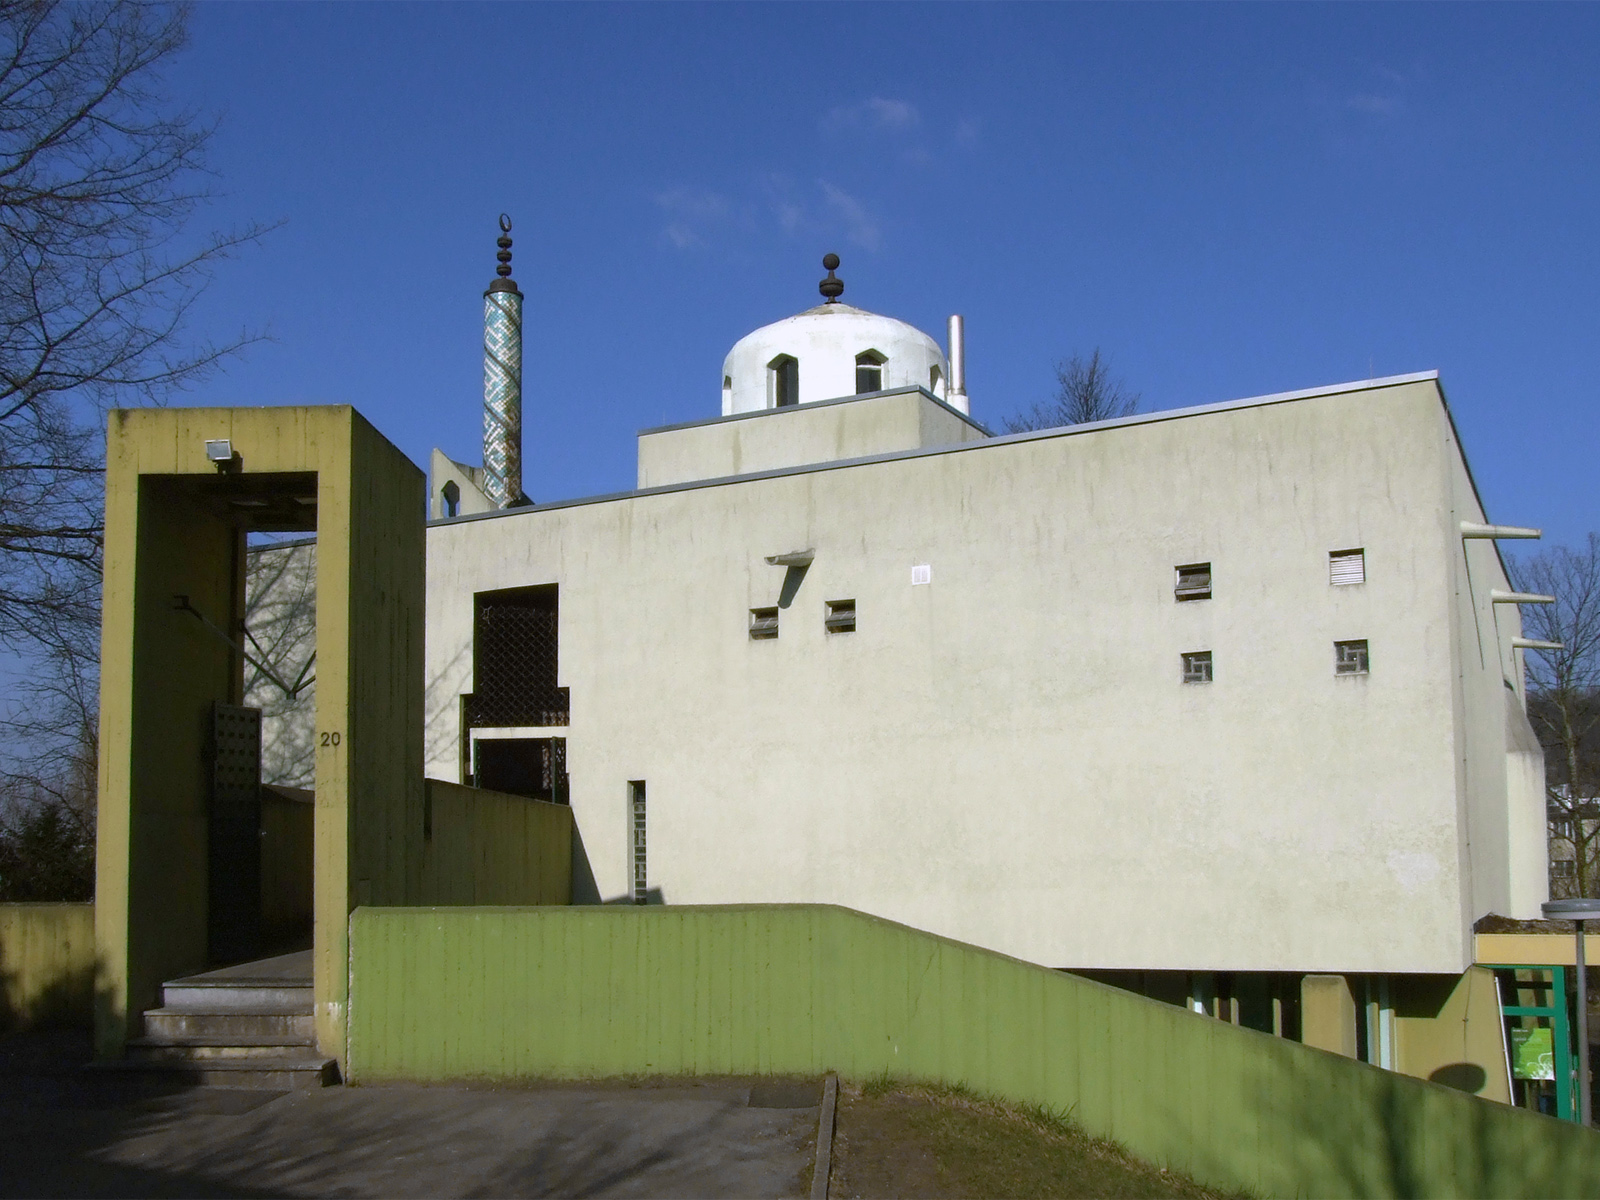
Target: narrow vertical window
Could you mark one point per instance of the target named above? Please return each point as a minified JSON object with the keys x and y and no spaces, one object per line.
{"x":869,"y":372}
{"x":450,"y":494}
{"x":783,"y":382}
{"x":727,"y":392}
{"x":1346,"y":567}
{"x":1351,"y":658}
{"x":637,"y":825}
{"x":1197,"y":666}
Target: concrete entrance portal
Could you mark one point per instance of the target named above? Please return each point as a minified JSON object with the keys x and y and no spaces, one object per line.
{"x":184,"y":490}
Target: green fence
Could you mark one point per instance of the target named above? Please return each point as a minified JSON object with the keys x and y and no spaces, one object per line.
{"x":504,"y":993}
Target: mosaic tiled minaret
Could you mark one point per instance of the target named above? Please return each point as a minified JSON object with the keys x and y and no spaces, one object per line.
{"x":502,"y":381}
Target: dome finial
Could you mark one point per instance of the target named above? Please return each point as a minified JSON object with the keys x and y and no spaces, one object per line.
{"x":504,"y":242}
{"x":832,"y":287}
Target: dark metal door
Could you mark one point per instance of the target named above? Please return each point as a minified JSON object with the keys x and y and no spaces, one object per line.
{"x":234,"y":915}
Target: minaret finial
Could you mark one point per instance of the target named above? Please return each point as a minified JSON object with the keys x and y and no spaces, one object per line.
{"x":504,"y":242}
{"x":832,"y":287}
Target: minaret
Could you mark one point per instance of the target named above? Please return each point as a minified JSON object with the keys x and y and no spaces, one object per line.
{"x":502,"y":381}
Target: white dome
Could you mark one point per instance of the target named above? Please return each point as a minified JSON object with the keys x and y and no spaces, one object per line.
{"x":820,"y":350}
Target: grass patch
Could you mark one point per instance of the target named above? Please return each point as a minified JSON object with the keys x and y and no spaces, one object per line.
{"x":900,"y":1139}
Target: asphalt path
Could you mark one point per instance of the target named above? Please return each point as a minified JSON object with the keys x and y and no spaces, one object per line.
{"x":64,"y":1132}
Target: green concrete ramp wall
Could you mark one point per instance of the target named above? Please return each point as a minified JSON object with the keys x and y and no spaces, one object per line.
{"x":483,"y":847}
{"x":505,"y":993}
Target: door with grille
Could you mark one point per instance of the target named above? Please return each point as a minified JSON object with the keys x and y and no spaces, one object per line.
{"x":233,"y":921}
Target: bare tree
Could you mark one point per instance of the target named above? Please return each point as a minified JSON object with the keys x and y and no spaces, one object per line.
{"x":1085,"y":391}
{"x":1564,"y":701}
{"x":99,"y":173}
{"x":281,"y":615}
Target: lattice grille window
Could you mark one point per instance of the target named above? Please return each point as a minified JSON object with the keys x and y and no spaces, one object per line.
{"x":1197,"y":666}
{"x":637,"y":818}
{"x":531,"y":767}
{"x":1194,"y":582}
{"x":1346,"y":567}
{"x":841,"y":616}
{"x":514,"y":653}
{"x":763,"y":624}
{"x":1350,"y":658}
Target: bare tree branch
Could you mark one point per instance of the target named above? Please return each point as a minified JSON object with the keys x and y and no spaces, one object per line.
{"x":1085,"y":391}
{"x":99,"y":174}
{"x":1564,"y":701}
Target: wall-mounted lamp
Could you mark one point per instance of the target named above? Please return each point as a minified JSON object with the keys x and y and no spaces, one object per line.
{"x":221,"y":452}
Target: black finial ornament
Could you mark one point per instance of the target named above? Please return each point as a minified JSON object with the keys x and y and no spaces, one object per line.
{"x":832,"y":287}
{"x":504,"y":242}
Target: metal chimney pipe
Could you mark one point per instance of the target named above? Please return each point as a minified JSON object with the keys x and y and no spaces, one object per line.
{"x":502,"y":381}
{"x":956,"y":393}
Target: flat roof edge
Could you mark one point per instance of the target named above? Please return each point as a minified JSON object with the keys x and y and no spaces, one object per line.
{"x":816,"y":404}
{"x":1170,"y":414}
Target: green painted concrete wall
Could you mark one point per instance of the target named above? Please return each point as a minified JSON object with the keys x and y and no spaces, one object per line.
{"x":47,"y":964}
{"x":486,"y":993}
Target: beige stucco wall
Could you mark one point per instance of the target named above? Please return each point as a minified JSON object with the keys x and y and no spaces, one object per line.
{"x":796,"y":436}
{"x":1499,"y":765}
{"x":1007,"y":755}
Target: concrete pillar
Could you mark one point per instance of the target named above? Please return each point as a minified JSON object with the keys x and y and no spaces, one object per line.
{"x":1328,"y":1014}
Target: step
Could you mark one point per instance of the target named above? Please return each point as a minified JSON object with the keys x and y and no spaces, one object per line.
{"x":204,"y":995}
{"x":210,"y":1049}
{"x":281,"y":1073}
{"x":243,"y":1024}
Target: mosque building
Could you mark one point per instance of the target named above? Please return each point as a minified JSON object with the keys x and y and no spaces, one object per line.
{"x":1224,"y":704}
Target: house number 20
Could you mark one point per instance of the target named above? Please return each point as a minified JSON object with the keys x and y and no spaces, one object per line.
{"x":330,"y":739}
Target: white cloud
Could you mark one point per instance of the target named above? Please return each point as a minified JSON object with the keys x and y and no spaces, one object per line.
{"x":1373,"y":104}
{"x":691,"y":214}
{"x":877,"y":114}
{"x":859,"y":225}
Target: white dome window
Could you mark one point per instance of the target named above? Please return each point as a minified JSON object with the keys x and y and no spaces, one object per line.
{"x":783,"y":381}
{"x":869,"y":372}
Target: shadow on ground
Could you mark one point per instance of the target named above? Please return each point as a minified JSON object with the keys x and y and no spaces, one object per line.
{"x":68,"y":1134}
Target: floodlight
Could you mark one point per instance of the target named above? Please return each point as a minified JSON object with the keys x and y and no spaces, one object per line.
{"x":219,"y":450}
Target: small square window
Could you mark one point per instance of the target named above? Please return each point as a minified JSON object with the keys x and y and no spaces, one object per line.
{"x":1350,"y":658}
{"x":1197,"y":666}
{"x":1347,"y":567}
{"x":1194,"y":582}
{"x":841,"y":616}
{"x":763,"y":624}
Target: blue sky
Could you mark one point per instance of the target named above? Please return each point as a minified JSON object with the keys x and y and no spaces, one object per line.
{"x":1230,"y":201}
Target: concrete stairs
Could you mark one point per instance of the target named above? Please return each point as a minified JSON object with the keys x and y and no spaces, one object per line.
{"x":244,"y":1026}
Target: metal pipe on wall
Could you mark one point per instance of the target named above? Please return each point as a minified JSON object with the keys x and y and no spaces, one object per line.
{"x":957,"y":392}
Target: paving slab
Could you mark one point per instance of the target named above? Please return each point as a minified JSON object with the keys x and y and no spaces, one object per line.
{"x":65,"y":1136}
